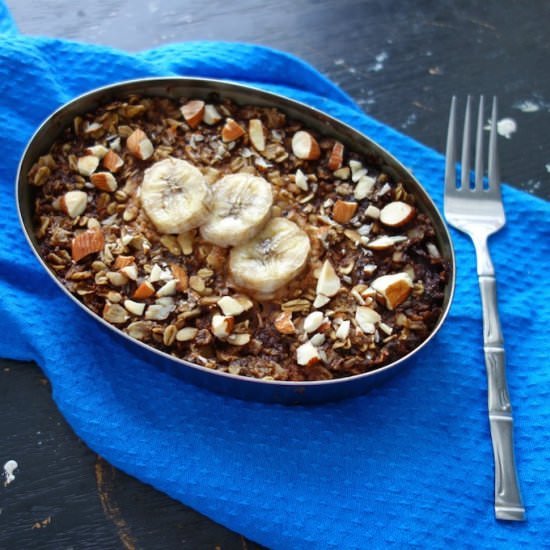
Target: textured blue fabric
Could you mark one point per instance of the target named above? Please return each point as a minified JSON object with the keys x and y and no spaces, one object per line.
{"x":408,"y":463}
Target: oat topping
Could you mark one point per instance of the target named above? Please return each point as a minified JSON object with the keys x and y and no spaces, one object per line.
{"x":238,"y":239}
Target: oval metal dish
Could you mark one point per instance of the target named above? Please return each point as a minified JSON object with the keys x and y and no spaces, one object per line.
{"x":234,"y":385}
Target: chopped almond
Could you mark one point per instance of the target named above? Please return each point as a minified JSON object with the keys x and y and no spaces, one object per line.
{"x":397,"y":213}
{"x":86,"y":243}
{"x":313,"y":321}
{"x":180,"y":274}
{"x":222,"y":326}
{"x":98,"y":151}
{"x":336,"y":157}
{"x":232,"y":130}
{"x":105,"y":181}
{"x":123,"y":261}
{"x":343,"y":211}
{"x":112,"y":162}
{"x":230,"y":306}
{"x":74,"y":203}
{"x":144,"y":290}
{"x":211,"y":115}
{"x":139,"y":144}
{"x":305,"y":146}
{"x":367,"y":318}
{"x":135,"y":308}
{"x":307,"y":355}
{"x":395,"y":288}
{"x":87,"y":165}
{"x":328,"y":283}
{"x":385,"y":242}
{"x":283,"y":323}
{"x":193,"y":112}
{"x":238,"y":339}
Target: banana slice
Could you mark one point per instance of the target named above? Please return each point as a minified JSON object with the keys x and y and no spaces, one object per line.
{"x":271,"y":259}
{"x":240,"y":207}
{"x":175,"y":195}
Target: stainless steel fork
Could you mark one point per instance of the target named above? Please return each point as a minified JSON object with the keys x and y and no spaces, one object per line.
{"x":476,"y":209}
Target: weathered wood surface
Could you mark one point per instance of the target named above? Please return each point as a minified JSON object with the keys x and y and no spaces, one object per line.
{"x":401,"y":61}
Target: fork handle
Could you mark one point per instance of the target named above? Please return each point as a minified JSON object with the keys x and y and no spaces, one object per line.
{"x":508,"y":502}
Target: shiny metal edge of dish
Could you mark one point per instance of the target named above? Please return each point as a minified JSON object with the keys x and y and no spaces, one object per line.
{"x":274,"y":391}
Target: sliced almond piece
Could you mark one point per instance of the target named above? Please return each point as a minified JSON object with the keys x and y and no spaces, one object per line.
{"x":336,"y":157}
{"x":87,"y":242}
{"x":397,"y":213}
{"x":367,"y":318}
{"x":112,"y":162}
{"x":230,"y":306}
{"x":283,"y":323}
{"x":305,"y":146}
{"x":87,"y":164}
{"x":135,"y":308}
{"x":343,"y":211}
{"x":328,"y":283}
{"x":193,"y":112}
{"x":364,"y":187}
{"x":313,"y":321}
{"x":74,"y":203}
{"x":105,"y":181}
{"x":140,"y":145}
{"x":186,"y":333}
{"x":232,"y":130}
{"x":144,"y":290}
{"x":307,"y":355}
{"x":222,"y":326}
{"x":256,"y":134}
{"x":394,"y":288}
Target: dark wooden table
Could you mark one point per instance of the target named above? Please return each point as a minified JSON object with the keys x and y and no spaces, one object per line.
{"x":401,"y":61}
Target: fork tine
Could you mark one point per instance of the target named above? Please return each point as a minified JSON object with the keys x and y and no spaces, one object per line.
{"x":479,"y":146}
{"x":450,"y":155}
{"x":466,"y":161}
{"x":494,"y":176}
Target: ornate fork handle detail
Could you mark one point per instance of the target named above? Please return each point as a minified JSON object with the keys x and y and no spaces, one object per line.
{"x":475,"y":207}
{"x":508,"y":504}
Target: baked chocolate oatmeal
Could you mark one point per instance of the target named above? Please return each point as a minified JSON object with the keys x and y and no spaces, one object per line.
{"x":238,"y":239}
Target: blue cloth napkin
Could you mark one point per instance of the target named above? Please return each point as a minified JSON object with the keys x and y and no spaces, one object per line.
{"x":409,"y":463}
